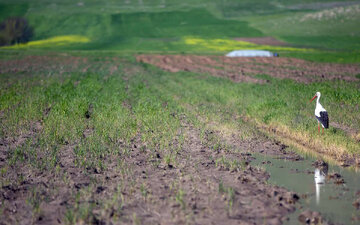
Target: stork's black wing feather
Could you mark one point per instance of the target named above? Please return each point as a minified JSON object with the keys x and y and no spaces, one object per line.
{"x":324,"y":119}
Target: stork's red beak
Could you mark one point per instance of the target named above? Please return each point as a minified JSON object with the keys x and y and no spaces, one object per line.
{"x":313,"y":98}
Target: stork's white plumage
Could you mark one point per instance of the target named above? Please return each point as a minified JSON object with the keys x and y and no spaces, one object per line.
{"x":320,"y":113}
{"x":319,"y":182}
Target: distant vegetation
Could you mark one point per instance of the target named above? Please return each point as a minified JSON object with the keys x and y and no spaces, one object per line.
{"x":329,"y":27}
{"x":15,"y":31}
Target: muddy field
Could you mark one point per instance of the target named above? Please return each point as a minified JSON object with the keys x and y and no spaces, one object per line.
{"x":205,"y":193}
{"x":243,"y":69}
{"x":138,"y":185}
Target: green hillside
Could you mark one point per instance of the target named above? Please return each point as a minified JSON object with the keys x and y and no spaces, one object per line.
{"x":162,"y":25}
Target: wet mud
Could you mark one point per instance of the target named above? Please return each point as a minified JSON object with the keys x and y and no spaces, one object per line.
{"x":327,"y":192}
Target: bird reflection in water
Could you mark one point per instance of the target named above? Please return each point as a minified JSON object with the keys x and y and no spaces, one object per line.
{"x":320,"y":176}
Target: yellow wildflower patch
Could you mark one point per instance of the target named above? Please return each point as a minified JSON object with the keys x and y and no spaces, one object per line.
{"x":229,"y":45}
{"x":53,"y":41}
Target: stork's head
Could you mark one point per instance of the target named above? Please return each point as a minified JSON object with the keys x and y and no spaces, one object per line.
{"x":316,"y":95}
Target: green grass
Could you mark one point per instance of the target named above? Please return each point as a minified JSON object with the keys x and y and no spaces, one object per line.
{"x":328,"y":56}
{"x":139,"y":31}
{"x":161,"y":26}
{"x":68,"y":97}
{"x":282,"y":102}
{"x":326,"y":28}
{"x":128,"y":29}
{"x":139,"y":103}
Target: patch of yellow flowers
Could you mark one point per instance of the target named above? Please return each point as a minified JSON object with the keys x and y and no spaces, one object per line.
{"x":229,"y":45}
{"x":53,"y":41}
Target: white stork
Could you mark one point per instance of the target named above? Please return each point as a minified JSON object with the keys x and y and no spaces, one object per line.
{"x":320,"y":113}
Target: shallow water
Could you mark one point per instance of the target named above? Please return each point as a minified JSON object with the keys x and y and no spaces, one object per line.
{"x":317,"y":191}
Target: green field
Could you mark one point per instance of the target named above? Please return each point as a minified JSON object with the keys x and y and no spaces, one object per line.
{"x":331,"y":28}
{"x":91,"y":135}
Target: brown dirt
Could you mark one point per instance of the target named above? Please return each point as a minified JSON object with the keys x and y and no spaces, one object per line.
{"x":263,"y":41}
{"x":243,"y":69}
{"x":8,"y":143}
{"x":60,"y":63}
{"x":40,"y":63}
{"x":198,"y":177}
{"x":139,"y":187}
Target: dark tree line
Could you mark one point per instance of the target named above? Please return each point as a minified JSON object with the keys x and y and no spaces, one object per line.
{"x":15,"y":30}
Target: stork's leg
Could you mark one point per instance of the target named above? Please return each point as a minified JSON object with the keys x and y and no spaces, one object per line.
{"x":318,"y":128}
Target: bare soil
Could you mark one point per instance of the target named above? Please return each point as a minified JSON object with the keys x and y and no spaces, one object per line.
{"x":243,"y":69}
{"x":145,"y":190}
{"x":62,"y":63}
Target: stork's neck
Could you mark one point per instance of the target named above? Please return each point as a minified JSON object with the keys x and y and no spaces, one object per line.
{"x":318,"y":100}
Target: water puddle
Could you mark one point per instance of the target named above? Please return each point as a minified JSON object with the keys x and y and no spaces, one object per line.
{"x":321,"y":189}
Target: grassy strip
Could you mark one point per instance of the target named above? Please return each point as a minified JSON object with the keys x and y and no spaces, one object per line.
{"x":283,"y":104}
{"x":93,"y":111}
